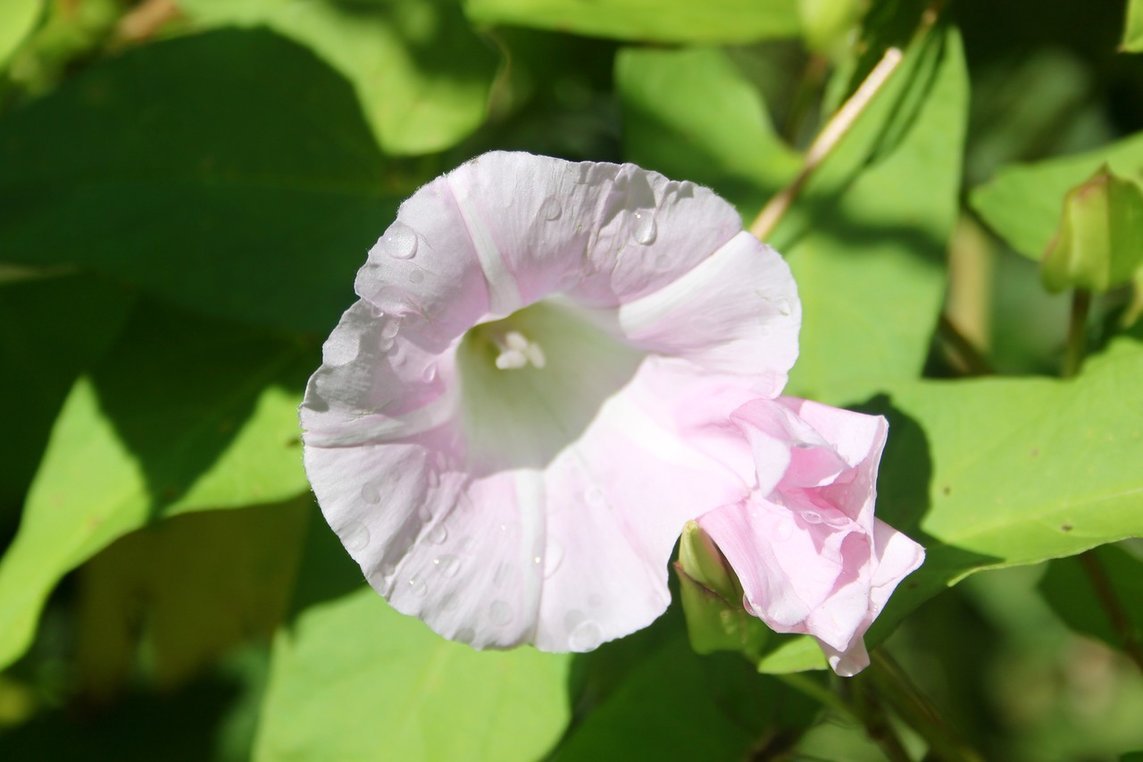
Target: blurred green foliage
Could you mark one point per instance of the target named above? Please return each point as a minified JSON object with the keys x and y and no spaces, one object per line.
{"x":188,"y":186}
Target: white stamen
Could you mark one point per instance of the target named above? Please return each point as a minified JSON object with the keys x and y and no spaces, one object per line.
{"x":516,"y":351}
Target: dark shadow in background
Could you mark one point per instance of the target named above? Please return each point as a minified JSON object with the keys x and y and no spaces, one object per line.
{"x":178,"y":387}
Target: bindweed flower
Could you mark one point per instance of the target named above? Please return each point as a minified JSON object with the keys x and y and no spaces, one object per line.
{"x":807,"y":550}
{"x":512,"y":425}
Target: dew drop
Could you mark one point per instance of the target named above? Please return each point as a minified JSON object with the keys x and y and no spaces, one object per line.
{"x":356,"y":537}
{"x":645,"y":229}
{"x":399,"y":241}
{"x":465,"y":635}
{"x":784,"y":307}
{"x":663,"y":262}
{"x":500,"y":613}
{"x":503,"y":575}
{"x":429,"y":373}
{"x":448,"y":565}
{"x":811,"y":517}
{"x":388,"y":570}
{"x":370,"y":492}
{"x":585,"y":636}
{"x":438,"y":534}
{"x":551,"y":209}
{"x":594,"y":495}
{"x":424,"y":514}
{"x":418,"y":586}
{"x":784,"y":530}
{"x":416,"y":276}
{"x":448,"y":603}
{"x":837,"y":521}
{"x":554,"y":558}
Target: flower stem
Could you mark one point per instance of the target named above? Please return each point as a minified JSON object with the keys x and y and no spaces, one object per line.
{"x":967,"y":355}
{"x":1097,"y":575}
{"x":917,"y":711}
{"x":1077,"y":332}
{"x":835,"y":129}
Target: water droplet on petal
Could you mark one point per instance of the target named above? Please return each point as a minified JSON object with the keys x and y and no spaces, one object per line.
{"x":837,"y":521}
{"x":438,"y":534}
{"x":356,"y":537}
{"x":448,"y":603}
{"x":554,"y":558}
{"x":371,"y":492}
{"x":504,"y":574}
{"x":416,"y":276}
{"x":663,"y":262}
{"x":448,"y":565}
{"x":429,"y":373}
{"x":811,"y":517}
{"x":585,"y":636}
{"x":399,"y":241}
{"x":500,"y":613}
{"x":465,"y":635}
{"x":551,"y":209}
{"x":418,"y":586}
{"x":425,"y":515}
{"x":594,"y":495}
{"x":784,"y":530}
{"x":784,"y":307}
{"x":645,"y":229}
{"x":388,"y":570}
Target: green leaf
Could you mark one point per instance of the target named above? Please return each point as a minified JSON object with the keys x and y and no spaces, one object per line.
{"x":183,"y":414}
{"x":390,"y":688}
{"x":1023,"y":203}
{"x":421,"y":74}
{"x":193,"y":605}
{"x":674,"y":704}
{"x":17,"y":19}
{"x":693,"y":113}
{"x":869,"y":262}
{"x":1100,"y":242}
{"x":999,"y":472}
{"x":652,"y":20}
{"x":1078,"y":598}
{"x":1133,"y":28}
{"x":51,"y":330}
{"x":867,"y":236}
{"x":234,"y":176}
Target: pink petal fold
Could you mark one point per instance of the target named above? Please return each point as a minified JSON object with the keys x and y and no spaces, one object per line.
{"x":807,"y":550}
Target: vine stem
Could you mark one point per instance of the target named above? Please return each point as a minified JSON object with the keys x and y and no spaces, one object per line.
{"x":826,"y":141}
{"x":1077,"y":333}
{"x":917,"y":711}
{"x":1097,"y":575}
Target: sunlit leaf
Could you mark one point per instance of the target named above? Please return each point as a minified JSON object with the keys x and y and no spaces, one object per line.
{"x":234,"y":175}
{"x":17,"y":19}
{"x":390,"y":688}
{"x":991,"y":473}
{"x":1133,"y":27}
{"x":420,"y":72}
{"x":183,"y":414}
{"x":1024,"y":203}
{"x":655,"y":20}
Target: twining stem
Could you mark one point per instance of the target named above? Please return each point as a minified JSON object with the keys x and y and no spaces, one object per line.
{"x":835,"y":129}
{"x":1077,"y":333}
{"x":971,"y":358}
{"x":917,"y":711}
{"x":1097,"y":575}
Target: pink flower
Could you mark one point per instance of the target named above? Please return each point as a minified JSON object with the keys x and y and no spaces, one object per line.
{"x":809,"y":554}
{"x":512,"y":425}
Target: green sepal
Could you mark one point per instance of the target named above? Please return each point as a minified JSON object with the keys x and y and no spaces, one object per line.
{"x":1099,"y":244}
{"x":712,"y":599}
